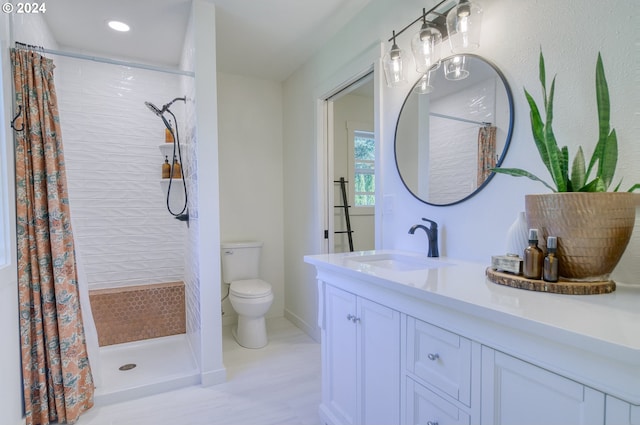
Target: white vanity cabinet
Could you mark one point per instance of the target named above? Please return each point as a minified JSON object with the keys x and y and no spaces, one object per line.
{"x":517,"y":392}
{"x":621,"y":413}
{"x":361,"y":360}
{"x":443,"y":345}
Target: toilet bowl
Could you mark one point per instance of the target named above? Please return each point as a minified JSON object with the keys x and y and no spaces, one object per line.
{"x":250,"y":296}
{"x":251,"y":299}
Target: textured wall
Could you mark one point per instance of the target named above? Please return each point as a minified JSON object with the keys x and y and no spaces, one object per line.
{"x":113,"y":162}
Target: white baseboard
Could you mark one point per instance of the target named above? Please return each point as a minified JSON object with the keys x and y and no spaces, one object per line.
{"x":312,"y":331}
{"x":213,"y":377}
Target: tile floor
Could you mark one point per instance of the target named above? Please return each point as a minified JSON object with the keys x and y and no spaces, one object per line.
{"x":278,"y":384}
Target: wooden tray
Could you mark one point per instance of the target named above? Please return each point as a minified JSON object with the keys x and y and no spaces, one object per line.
{"x":559,"y":287}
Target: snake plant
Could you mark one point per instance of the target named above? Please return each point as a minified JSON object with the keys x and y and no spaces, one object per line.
{"x":604,"y":158}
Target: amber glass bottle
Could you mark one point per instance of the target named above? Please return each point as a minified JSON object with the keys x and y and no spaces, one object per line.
{"x":166,"y":168}
{"x":550,"y":268}
{"x":177,"y":170}
{"x":533,"y":257}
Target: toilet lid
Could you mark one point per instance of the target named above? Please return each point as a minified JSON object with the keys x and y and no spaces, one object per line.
{"x":250,"y":288}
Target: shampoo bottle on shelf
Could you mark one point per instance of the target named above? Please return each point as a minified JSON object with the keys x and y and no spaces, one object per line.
{"x":177,"y":170}
{"x":550,"y":268}
{"x":166,"y":168}
{"x":168,"y":137}
{"x":533,"y":257}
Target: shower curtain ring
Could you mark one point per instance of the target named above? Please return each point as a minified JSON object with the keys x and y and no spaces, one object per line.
{"x":13,"y":121}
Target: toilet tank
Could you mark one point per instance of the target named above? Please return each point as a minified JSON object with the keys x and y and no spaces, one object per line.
{"x":240,"y":260}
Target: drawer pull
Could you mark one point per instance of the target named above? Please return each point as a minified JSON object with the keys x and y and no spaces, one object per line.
{"x":432,"y":423}
{"x":433,"y":357}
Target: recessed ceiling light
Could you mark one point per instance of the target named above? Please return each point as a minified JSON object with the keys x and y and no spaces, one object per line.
{"x":118,"y":26}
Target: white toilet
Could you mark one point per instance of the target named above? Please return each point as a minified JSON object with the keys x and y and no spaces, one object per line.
{"x":249,"y":296}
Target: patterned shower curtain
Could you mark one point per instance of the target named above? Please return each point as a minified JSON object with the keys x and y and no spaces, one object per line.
{"x":58,"y":385}
{"x":486,"y":152}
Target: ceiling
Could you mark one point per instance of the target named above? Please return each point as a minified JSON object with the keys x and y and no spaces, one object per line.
{"x":264,"y":38}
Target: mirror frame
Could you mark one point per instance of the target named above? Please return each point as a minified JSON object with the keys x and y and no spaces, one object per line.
{"x":504,"y":150}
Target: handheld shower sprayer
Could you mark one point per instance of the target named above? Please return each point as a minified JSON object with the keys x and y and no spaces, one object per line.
{"x":182,"y":216}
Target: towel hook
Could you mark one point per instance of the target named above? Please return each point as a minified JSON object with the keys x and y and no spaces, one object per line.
{"x":13,"y":121}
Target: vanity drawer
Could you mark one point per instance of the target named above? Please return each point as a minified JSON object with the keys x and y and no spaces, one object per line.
{"x":426,"y":407}
{"x":440,"y":358}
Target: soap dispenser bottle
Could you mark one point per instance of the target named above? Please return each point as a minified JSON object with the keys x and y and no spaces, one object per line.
{"x":166,"y":168}
{"x":550,"y":268}
{"x":177,"y":171}
{"x":533,"y":257}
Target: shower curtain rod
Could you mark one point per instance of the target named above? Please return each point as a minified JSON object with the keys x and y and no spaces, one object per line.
{"x":482,"y":123}
{"x":105,"y":60}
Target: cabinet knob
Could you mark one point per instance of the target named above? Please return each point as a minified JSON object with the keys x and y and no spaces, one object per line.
{"x":353,"y":318}
{"x":433,"y":356}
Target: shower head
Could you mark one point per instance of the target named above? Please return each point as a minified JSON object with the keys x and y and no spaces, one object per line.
{"x":154,"y":108}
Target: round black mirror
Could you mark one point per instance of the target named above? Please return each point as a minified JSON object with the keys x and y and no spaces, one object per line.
{"x":452,"y":129}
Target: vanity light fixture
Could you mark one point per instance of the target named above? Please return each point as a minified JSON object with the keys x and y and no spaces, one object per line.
{"x":425,"y":45}
{"x":395,"y":65}
{"x":461,"y":23}
{"x":118,"y":26}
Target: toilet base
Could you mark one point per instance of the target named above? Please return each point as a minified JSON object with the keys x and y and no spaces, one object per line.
{"x":251,"y":332}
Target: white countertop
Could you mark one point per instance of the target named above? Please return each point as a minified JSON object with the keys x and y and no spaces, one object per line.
{"x":610,"y":320}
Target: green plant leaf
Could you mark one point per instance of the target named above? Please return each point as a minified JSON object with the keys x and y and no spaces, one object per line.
{"x":553,"y":153}
{"x":609,"y":159}
{"x":537,"y":129}
{"x":543,"y":77}
{"x":602,"y":100}
{"x":578,"y":175}
{"x":595,"y":185}
{"x":517,"y":172}
{"x":634,"y":187}
{"x":564,"y":166}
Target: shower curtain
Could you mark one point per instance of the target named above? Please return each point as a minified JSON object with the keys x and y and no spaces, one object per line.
{"x":486,"y":152}
{"x":57,"y":381}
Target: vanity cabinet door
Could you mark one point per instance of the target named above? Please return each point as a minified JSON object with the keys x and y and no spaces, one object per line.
{"x":339,"y":375}
{"x":621,"y":413}
{"x":379,"y":383}
{"x":361,"y":365}
{"x":515,"y":392}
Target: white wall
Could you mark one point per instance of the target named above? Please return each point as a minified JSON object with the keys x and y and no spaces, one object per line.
{"x":206,"y":219}
{"x":513,"y":32}
{"x":251,"y":176}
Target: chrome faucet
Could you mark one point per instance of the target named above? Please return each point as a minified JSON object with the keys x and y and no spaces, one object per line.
{"x":432,"y":235}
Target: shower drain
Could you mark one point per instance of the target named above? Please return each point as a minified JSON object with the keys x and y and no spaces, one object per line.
{"x":127,"y":366}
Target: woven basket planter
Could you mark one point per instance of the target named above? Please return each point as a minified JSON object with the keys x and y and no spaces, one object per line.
{"x":593,"y":229}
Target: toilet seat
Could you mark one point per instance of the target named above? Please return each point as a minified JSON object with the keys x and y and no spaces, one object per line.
{"x":250,"y":288}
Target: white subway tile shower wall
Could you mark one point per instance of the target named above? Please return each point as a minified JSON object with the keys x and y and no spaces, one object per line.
{"x":113,"y":169}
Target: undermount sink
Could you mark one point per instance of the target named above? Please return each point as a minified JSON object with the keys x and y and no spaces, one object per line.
{"x":399,"y":262}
